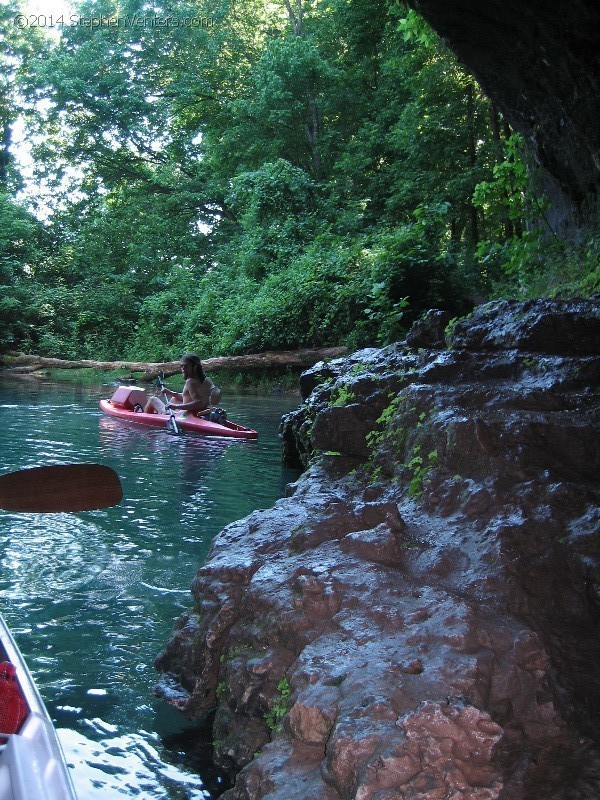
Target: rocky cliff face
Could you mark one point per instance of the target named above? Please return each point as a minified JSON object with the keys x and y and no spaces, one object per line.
{"x":419,"y":618}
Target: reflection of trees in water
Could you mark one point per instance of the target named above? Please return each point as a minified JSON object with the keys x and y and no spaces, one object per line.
{"x":178,"y":487}
{"x":201,"y":451}
{"x":185,"y":461}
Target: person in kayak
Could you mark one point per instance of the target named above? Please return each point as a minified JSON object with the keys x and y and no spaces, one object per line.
{"x":198,"y":394}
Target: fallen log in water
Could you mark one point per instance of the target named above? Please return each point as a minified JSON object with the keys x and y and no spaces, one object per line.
{"x":26,"y":364}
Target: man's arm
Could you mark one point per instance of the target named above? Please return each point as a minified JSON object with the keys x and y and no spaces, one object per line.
{"x":197,"y":401}
{"x":171,"y":393}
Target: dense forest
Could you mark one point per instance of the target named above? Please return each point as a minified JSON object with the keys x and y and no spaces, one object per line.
{"x":236,"y":176}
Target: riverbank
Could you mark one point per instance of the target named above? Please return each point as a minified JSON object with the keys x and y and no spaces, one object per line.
{"x":283,"y":381}
{"x":273,"y":369}
{"x":418,"y":616}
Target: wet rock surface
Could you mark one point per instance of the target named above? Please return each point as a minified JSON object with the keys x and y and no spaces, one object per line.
{"x":419,"y":617}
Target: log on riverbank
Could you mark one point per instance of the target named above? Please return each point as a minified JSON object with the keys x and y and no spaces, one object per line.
{"x":25,"y":364}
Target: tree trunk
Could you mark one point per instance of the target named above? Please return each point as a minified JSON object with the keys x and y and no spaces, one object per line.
{"x":472,"y":148}
{"x":24,"y":364}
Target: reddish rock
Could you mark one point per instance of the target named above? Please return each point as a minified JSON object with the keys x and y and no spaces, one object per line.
{"x":418,"y":618}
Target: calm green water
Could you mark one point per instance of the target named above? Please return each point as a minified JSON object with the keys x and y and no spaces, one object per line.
{"x":91,"y":598}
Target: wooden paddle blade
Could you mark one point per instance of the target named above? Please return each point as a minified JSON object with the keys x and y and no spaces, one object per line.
{"x":65,"y":487}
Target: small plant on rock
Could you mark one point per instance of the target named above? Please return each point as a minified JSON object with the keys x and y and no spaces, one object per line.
{"x":279,"y":706}
{"x":221,"y":690}
{"x":376,"y":437}
{"x":342,"y":396}
{"x":419,"y":466}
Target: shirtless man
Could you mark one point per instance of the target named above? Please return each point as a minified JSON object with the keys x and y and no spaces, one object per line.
{"x":196,"y":394}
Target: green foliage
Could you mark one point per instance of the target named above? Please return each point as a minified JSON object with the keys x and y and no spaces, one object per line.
{"x":342,"y":396}
{"x":279,"y":706}
{"x":221,"y":690}
{"x":449,"y":329}
{"x":235,"y":652}
{"x":419,"y":467}
{"x":508,"y":194}
{"x":536,"y":263}
{"x":414,"y":28}
{"x":387,"y":314}
{"x":273,"y":181}
{"x":390,"y":434}
{"x":22,"y":244}
{"x":523,"y":256}
{"x":398,"y":428}
{"x":379,"y":434}
{"x":21,"y":48}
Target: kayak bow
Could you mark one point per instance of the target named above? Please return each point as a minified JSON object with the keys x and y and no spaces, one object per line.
{"x":32,"y":763}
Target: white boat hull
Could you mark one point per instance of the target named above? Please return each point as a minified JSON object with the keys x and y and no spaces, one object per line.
{"x":32,"y":764}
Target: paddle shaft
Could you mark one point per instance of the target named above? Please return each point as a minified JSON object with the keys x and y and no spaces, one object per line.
{"x":172,"y":425}
{"x":63,"y":487}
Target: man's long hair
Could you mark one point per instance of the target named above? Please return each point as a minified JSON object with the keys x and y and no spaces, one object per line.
{"x":194,"y":360}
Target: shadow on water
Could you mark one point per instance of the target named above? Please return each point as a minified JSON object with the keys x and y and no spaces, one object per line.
{"x":192,"y":749}
{"x":91,"y":598}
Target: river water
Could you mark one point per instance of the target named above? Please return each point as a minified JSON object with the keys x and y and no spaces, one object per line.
{"x":91,"y":598}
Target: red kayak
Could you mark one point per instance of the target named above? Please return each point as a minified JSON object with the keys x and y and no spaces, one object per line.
{"x":126,"y":399}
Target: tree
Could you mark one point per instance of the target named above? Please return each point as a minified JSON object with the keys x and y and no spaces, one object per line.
{"x":20,"y":49}
{"x":291,"y":174}
{"x":22,"y":245}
